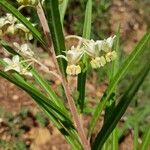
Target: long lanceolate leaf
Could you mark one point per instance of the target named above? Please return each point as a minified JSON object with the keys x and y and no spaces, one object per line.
{"x":146,"y":138}
{"x":121,"y":72}
{"x":120,"y":109}
{"x":23,"y":20}
{"x":113,"y":71}
{"x":86,"y":34}
{"x":56,"y":114}
{"x":54,"y":23}
{"x":62,"y":10}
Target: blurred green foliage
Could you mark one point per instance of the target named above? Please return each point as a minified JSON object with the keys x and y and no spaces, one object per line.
{"x":74,"y":18}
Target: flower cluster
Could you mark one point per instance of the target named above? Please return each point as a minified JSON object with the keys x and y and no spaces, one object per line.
{"x":99,"y":53}
{"x":10,"y":25}
{"x":15,"y":64}
{"x":28,"y":2}
{"x":24,"y":49}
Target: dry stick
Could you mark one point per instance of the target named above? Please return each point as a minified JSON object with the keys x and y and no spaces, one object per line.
{"x":71,"y":103}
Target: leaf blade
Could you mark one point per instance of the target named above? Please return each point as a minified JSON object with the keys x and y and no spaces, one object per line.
{"x":117,"y":113}
{"x":82,"y":76}
{"x":54,"y":23}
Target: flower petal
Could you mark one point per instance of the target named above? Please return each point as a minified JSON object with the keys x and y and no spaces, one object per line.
{"x":8,"y":61}
{"x":15,"y":59}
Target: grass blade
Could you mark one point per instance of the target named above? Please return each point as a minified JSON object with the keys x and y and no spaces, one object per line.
{"x":121,"y":72}
{"x":86,"y":34}
{"x":116,"y":63}
{"x":136,"y":135}
{"x":115,"y":139}
{"x":54,"y":23}
{"x":62,"y":10}
{"x":145,"y":141}
{"x":23,"y":20}
{"x":120,"y":109}
{"x":87,"y":20}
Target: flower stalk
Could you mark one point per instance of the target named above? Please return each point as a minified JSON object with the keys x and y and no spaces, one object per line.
{"x":67,"y":90}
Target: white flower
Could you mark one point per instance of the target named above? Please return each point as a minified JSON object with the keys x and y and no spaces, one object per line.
{"x":9,"y":24}
{"x":90,"y":48}
{"x":74,"y":55}
{"x":98,"y":62}
{"x":24,"y":49}
{"x":2,"y":22}
{"x":11,"y":29}
{"x":107,"y":44}
{"x":99,"y":44}
{"x":73,"y":69}
{"x":13,"y":64}
{"x":28,"y":34}
{"x":9,"y":19}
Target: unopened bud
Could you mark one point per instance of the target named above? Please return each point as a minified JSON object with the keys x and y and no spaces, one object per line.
{"x":110,"y":56}
{"x":98,"y":62}
{"x":73,"y":70}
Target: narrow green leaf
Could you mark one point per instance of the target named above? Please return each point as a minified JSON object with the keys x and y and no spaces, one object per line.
{"x":62,"y":10}
{"x":116,"y":47}
{"x":145,"y":141}
{"x":87,"y":20}
{"x":120,"y":109}
{"x":115,"y":139}
{"x":113,"y":70}
{"x":55,"y":114}
{"x":44,"y":84}
{"x":136,"y":135}
{"x":54,"y":23}
{"x":23,"y":20}
{"x":86,"y":34}
{"x":121,"y":72}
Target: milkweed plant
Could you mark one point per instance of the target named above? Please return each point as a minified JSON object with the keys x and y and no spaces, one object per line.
{"x":65,"y":112}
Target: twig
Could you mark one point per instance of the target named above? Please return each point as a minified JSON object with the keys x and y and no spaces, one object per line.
{"x":71,"y":103}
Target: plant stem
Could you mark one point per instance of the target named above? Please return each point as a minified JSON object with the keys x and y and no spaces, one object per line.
{"x":67,"y":90}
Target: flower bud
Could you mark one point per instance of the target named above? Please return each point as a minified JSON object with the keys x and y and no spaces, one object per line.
{"x":110,"y":56}
{"x":98,"y":62}
{"x":73,"y":70}
{"x":11,"y":29}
